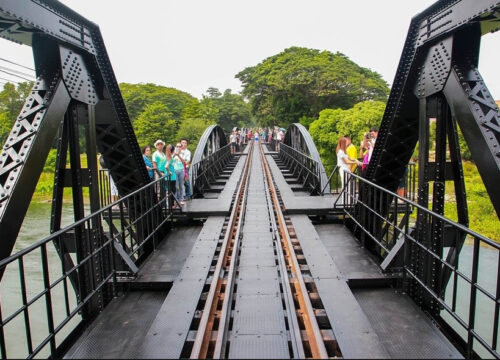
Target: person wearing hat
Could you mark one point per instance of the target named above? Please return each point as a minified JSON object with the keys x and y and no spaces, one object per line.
{"x":159,"y":158}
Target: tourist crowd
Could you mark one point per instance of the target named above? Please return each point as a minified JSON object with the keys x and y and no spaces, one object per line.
{"x":267,"y":135}
{"x":172,"y":162}
{"x":348,"y":159}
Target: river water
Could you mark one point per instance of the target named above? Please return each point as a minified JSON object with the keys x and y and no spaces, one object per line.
{"x":36,"y":227}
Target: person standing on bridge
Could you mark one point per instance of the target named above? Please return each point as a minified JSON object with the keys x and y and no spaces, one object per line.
{"x":351,"y":152}
{"x":179,"y":173}
{"x":232,"y":140}
{"x":344,"y":161}
{"x":373,"y":138}
{"x":186,"y":156}
{"x":170,"y":174}
{"x":146,"y":153}
{"x":159,"y":158}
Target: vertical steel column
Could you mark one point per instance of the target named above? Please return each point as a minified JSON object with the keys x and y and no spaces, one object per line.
{"x":417,"y":262}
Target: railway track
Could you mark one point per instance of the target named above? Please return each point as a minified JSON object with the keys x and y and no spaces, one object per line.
{"x":242,"y":313}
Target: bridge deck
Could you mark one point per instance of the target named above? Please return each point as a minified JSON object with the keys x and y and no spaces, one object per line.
{"x":154,"y":319}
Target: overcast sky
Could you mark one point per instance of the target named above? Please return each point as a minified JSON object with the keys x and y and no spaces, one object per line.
{"x":192,"y":45}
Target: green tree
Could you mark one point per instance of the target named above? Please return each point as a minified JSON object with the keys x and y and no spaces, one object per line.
{"x":138,"y":96}
{"x":233,"y":111}
{"x":12,"y":99}
{"x":300,"y":82}
{"x":155,"y":122}
{"x":332,"y":124}
{"x":192,"y":129}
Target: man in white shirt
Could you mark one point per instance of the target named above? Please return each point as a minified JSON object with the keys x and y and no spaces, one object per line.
{"x":279,"y":138}
{"x":186,"y":155}
{"x":232,"y":140}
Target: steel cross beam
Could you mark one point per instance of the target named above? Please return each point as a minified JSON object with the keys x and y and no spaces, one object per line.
{"x":72,"y":66}
{"x":437,"y":79}
{"x":440,"y":55}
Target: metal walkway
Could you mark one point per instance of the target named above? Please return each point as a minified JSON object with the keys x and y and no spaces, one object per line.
{"x":257,"y":311}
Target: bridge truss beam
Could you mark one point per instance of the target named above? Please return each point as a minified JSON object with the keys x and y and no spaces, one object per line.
{"x":76,"y":94}
{"x":438,"y":80}
{"x":298,"y":138}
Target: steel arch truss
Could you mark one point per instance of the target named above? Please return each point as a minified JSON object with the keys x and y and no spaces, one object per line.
{"x":438,"y":81}
{"x":440,"y":58}
{"x":210,"y":157}
{"x":302,"y":156}
{"x":75,"y":93}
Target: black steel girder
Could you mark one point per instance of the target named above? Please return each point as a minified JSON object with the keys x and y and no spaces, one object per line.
{"x":440,"y":55}
{"x":72,"y":66}
{"x":299,"y":138}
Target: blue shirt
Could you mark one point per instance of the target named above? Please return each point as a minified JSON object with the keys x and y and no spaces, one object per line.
{"x":149,"y":164}
{"x":171,"y":168}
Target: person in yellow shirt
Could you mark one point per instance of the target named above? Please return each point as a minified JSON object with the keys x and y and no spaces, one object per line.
{"x":352,"y":152}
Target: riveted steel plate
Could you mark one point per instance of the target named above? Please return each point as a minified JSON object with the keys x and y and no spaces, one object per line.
{"x":261,"y":314}
{"x":249,"y":257}
{"x":259,"y":347}
{"x":260,"y":280}
{"x":257,"y":239}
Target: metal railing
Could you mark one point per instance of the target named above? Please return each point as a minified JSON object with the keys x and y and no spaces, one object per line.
{"x":409,"y":181}
{"x":209,"y":168}
{"x":44,"y":307}
{"x":304,"y":168}
{"x":456,"y":282}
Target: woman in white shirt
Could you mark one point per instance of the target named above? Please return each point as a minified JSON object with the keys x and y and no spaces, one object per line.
{"x":344,"y":161}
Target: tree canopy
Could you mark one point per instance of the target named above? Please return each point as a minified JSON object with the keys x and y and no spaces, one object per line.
{"x":11,"y":102}
{"x":299,"y":83}
{"x":159,"y":112}
{"x":232,"y":110}
{"x":137,"y":96}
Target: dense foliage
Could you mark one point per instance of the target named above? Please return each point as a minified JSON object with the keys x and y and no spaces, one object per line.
{"x":332,"y":124}
{"x":159,"y":112}
{"x":298,"y":83}
{"x":11,"y":102}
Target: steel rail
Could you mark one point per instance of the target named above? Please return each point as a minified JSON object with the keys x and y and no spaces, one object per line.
{"x":225,"y":313}
{"x":294,"y":327}
{"x":314,"y":336}
{"x":216,"y":292}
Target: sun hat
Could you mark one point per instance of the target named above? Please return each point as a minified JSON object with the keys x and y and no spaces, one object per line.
{"x":159,"y":141}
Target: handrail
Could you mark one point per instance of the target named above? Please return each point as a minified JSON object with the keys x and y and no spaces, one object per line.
{"x":210,"y":167}
{"x":108,"y":243}
{"x":296,"y":159}
{"x":386,"y":224}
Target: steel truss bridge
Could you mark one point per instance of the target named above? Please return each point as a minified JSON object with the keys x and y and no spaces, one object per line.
{"x":272,"y":259}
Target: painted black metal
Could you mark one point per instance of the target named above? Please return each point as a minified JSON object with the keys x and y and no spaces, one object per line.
{"x":422,"y":253}
{"x":438,"y":39}
{"x":70,"y":57}
{"x":438,"y":78}
{"x":210,"y":157}
{"x":298,"y":138}
{"x":95,"y":269}
{"x":24,"y":154}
